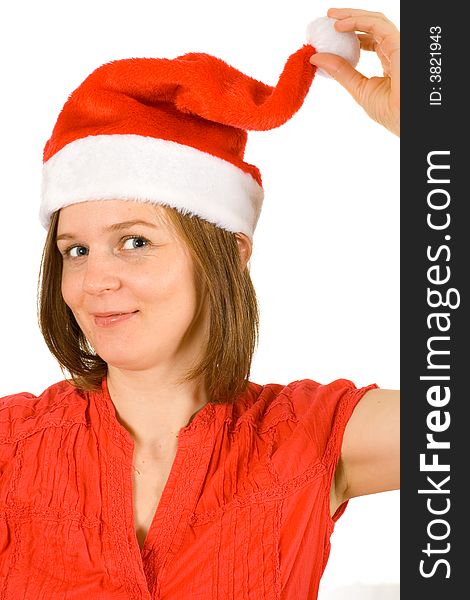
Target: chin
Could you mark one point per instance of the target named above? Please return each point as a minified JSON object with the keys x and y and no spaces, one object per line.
{"x":126,"y":361}
{"x":120,"y":359}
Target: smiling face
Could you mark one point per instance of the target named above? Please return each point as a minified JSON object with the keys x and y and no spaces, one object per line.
{"x":112,"y":266}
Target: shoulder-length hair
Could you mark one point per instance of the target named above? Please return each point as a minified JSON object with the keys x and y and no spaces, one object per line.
{"x":233,"y":312}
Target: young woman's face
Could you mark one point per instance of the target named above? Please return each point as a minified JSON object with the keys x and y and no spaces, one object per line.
{"x":142,"y":270}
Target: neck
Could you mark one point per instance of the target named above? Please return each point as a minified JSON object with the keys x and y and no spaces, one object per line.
{"x":152,"y":407}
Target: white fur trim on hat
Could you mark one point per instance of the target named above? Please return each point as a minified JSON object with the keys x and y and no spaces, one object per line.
{"x":146,"y":169}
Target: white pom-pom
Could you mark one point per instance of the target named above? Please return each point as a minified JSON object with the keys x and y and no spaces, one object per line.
{"x":322,"y":34}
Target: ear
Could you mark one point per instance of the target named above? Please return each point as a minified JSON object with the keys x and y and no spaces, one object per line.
{"x":245,"y":247}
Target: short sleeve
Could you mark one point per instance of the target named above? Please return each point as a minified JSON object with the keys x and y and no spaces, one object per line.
{"x":323,"y":411}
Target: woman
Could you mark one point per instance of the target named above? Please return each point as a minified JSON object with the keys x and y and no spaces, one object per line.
{"x":158,"y":470}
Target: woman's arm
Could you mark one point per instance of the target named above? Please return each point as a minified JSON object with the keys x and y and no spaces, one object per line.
{"x":370,"y":453}
{"x":379,"y":96}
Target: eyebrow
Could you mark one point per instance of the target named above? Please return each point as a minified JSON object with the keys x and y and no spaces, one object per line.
{"x":114,"y":227}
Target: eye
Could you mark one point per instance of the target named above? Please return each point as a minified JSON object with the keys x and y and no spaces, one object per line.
{"x":70,"y":252}
{"x":136,"y":242}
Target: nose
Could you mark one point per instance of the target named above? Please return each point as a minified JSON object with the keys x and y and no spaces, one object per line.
{"x":101,"y":275}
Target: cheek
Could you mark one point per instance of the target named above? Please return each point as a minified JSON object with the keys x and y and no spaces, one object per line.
{"x":69,"y":290}
{"x":170,"y":290}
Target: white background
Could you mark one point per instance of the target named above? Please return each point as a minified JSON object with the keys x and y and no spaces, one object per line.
{"x":326,"y":250}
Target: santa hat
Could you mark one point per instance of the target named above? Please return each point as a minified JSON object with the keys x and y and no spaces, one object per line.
{"x":174,"y":131}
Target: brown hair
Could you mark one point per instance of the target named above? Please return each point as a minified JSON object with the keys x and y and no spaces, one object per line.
{"x":233,"y":313}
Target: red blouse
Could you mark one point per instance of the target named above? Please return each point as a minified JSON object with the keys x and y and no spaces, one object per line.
{"x":244,"y":514}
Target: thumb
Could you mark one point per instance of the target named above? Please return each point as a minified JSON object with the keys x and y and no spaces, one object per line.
{"x":342,"y":71}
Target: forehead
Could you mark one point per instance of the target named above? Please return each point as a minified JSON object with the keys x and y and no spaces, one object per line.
{"x":101,"y":214}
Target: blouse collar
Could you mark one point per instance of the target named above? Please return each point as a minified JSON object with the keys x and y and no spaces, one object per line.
{"x":188,"y":434}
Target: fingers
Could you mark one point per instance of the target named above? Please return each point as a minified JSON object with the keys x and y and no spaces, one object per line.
{"x":340,"y":13}
{"x":372,"y":23}
{"x":350,"y":19}
{"x":379,"y":35}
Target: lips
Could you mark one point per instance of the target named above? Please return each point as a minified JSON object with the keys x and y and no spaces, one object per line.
{"x":112,"y":318}
{"x":113,"y":313}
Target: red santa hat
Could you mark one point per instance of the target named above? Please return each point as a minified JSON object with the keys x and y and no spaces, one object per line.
{"x":174,"y":131}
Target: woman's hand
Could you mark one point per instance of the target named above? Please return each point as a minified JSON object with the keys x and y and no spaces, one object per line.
{"x":378,"y":96}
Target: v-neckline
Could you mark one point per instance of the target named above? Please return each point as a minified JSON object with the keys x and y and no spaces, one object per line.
{"x":182,"y":488}
{"x":165,"y":496}
{"x":148,"y":483}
